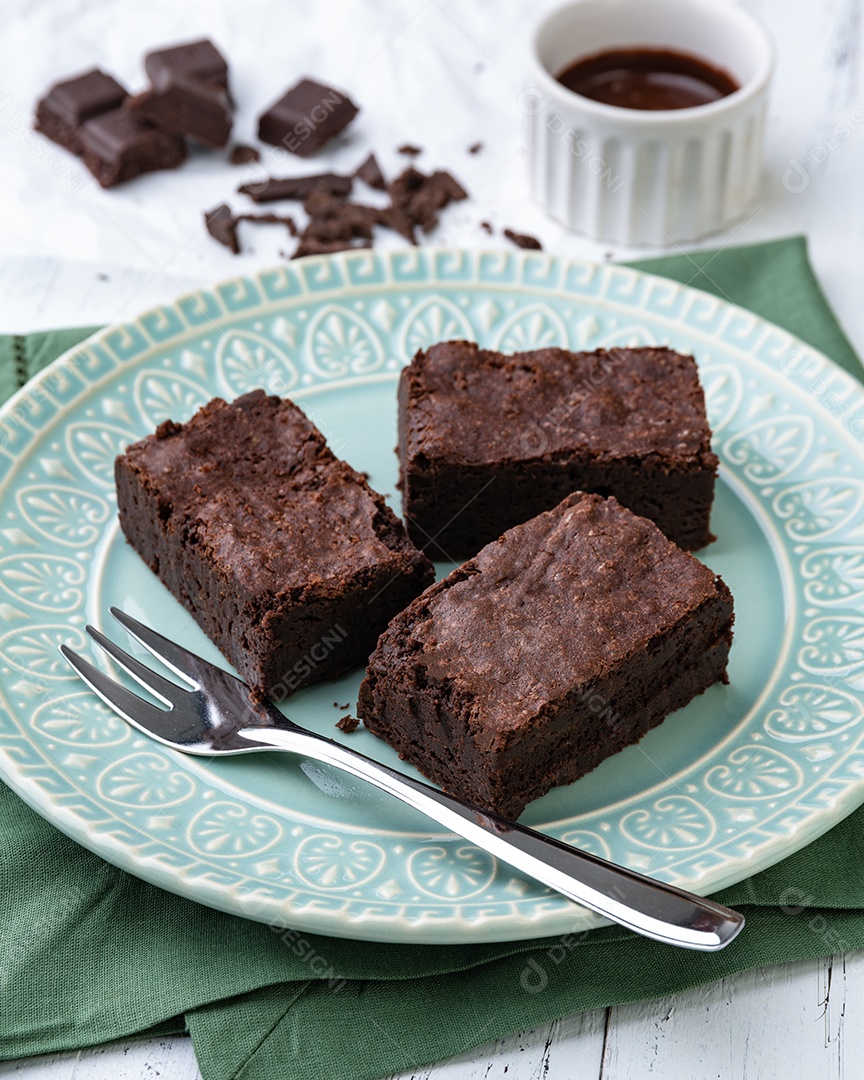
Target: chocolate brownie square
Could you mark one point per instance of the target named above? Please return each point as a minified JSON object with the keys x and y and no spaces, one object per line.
{"x":70,"y":103}
{"x":284,"y":555}
{"x":118,"y":146}
{"x":488,"y":440}
{"x":559,"y":644}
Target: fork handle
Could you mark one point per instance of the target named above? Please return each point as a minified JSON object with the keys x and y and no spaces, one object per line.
{"x":651,"y":908}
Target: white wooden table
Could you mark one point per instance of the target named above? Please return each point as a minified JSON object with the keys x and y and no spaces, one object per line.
{"x":70,"y":254}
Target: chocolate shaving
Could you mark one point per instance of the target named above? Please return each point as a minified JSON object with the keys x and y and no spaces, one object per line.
{"x":523,"y":240}
{"x":486,"y":227}
{"x":311,"y":246}
{"x":409,"y":150}
{"x":242,"y":154}
{"x":296,"y":187}
{"x":222,"y":226}
{"x":475,"y":148}
{"x":370,"y":173}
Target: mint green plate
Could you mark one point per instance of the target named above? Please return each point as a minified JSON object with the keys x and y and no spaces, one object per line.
{"x":745,"y":775}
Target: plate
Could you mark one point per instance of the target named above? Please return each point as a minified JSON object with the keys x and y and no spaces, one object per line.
{"x":743,"y":776}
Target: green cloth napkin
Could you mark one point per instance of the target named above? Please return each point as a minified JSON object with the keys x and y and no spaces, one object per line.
{"x":89,"y":954}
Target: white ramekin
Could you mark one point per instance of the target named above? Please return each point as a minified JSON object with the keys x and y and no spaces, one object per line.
{"x":637,"y":176}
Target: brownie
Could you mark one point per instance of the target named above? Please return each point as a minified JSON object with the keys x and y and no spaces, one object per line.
{"x":284,"y":555}
{"x":306,"y":117}
{"x":487,"y":440}
{"x":70,"y":103}
{"x":118,"y":146}
{"x":559,"y":644}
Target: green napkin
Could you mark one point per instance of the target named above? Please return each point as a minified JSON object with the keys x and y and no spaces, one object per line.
{"x":89,"y":954}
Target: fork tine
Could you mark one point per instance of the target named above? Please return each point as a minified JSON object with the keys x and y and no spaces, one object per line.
{"x":178,"y":659}
{"x":131,"y":707}
{"x":164,"y":689}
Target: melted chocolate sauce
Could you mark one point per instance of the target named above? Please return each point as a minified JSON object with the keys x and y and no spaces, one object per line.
{"x":647,"y":79}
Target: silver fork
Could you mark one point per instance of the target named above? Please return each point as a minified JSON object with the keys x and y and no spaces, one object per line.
{"x":217,"y":715}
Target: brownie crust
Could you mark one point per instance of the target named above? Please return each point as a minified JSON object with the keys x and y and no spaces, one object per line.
{"x":559,"y":644}
{"x":487,"y":441}
{"x":284,"y":555}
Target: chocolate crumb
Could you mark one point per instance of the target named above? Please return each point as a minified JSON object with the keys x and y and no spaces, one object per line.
{"x":419,"y":196}
{"x":409,"y":150}
{"x":222,"y":226}
{"x":345,"y":706}
{"x":475,"y":148}
{"x":486,"y":227}
{"x":242,"y":155}
{"x":348,"y":724}
{"x":370,"y":173}
{"x":523,"y":240}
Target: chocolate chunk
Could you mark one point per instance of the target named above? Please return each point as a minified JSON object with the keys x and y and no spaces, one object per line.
{"x":523,"y":240}
{"x":306,"y":117}
{"x":222,"y":226}
{"x":475,"y":148}
{"x":348,"y":724}
{"x":119,"y":146}
{"x":419,"y":196}
{"x":199,"y":60}
{"x":391,"y":217}
{"x":187,"y":107}
{"x":243,"y":155}
{"x":370,"y":173}
{"x":69,"y":104}
{"x":486,"y":227}
{"x":311,"y":246}
{"x":296,"y":187}
{"x":409,"y":151}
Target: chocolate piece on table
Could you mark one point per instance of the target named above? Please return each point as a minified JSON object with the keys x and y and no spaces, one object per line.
{"x":488,"y":440}
{"x":283,"y":554}
{"x":222,"y":226}
{"x":370,"y":173}
{"x":486,"y":227}
{"x":557,"y":645}
{"x":243,"y":155}
{"x":119,"y":146}
{"x":199,"y":60}
{"x":314,"y":246}
{"x":296,"y":187}
{"x":348,"y":724}
{"x":523,"y":240}
{"x":306,"y":117}
{"x":409,"y":151}
{"x":419,"y":196}
{"x":475,"y":148}
{"x":200,"y":110}
{"x":70,"y":103}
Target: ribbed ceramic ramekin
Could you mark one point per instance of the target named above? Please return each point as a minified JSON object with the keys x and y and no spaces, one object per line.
{"x":637,"y":176}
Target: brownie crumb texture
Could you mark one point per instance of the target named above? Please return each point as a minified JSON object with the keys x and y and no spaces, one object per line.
{"x":348,"y":724}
